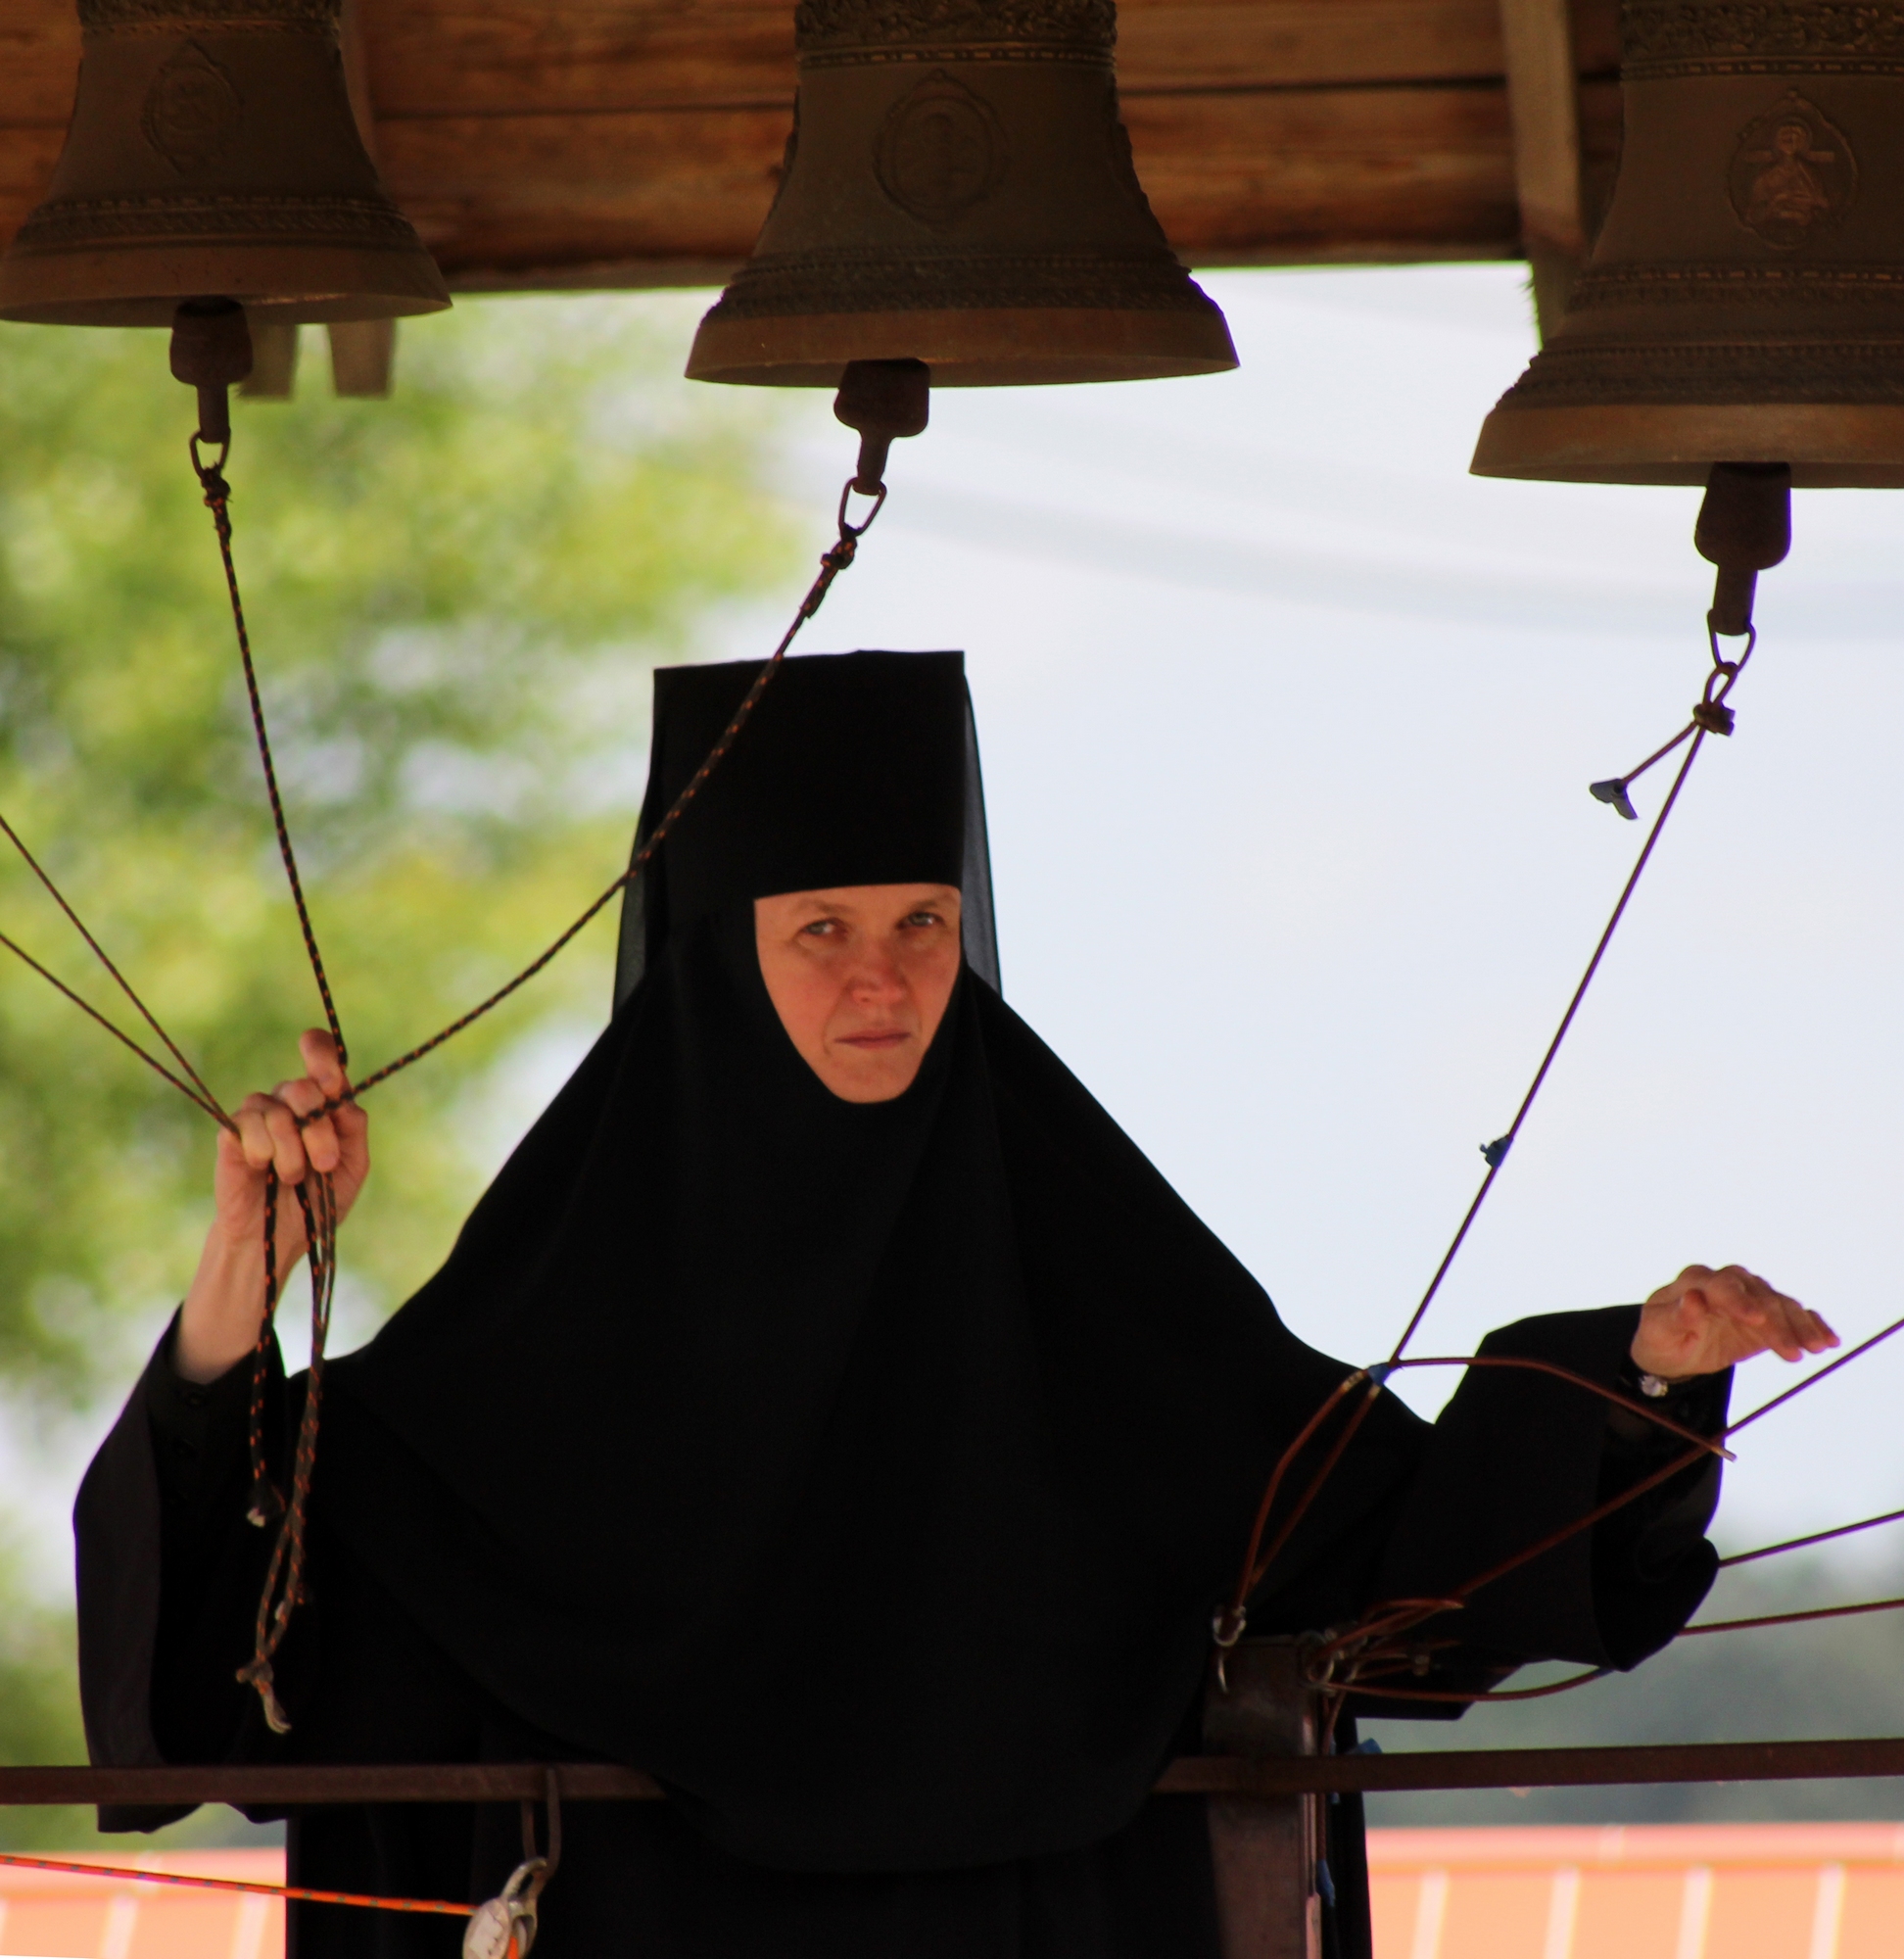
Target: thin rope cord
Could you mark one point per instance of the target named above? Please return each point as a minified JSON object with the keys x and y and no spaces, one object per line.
{"x":119,"y":1033}
{"x":1498,"y":1151}
{"x":1497,"y":1693}
{"x":206,"y":1100}
{"x":1816,"y":1536}
{"x":266,"y":1500}
{"x":284,"y":1588}
{"x":218,"y":499}
{"x":1824,"y":1373}
{"x":1791,"y":1618}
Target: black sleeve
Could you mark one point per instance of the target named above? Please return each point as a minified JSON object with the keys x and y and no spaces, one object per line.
{"x":168,"y":1573}
{"x":212,"y":1558}
{"x":1517,"y":1456}
{"x":1417,"y":1510}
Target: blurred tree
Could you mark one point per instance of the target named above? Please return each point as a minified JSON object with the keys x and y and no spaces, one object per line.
{"x":454,"y":598}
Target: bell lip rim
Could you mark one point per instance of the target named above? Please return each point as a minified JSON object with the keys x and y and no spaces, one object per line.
{"x":155,"y":310}
{"x":954,"y":339}
{"x":1648,"y":444}
{"x":142,"y":286}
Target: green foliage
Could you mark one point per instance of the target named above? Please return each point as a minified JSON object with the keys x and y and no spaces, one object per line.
{"x":455,"y":597}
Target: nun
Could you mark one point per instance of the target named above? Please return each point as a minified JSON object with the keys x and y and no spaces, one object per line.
{"x":831,"y":1411}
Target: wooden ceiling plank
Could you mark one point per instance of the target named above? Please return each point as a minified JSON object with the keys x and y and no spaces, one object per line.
{"x":467,"y":56}
{"x":1281,"y":177}
{"x":1329,"y":175}
{"x":471,"y":57}
{"x":1294,"y":43}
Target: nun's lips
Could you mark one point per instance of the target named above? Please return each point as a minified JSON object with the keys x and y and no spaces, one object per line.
{"x":878,"y":1039}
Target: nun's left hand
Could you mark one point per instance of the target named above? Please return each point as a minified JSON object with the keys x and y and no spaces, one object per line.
{"x":1707,"y":1319}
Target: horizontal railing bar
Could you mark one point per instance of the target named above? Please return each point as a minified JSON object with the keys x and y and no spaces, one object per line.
{"x":1423,"y":1769}
{"x":274,"y":1788}
{"x":252,"y":1787}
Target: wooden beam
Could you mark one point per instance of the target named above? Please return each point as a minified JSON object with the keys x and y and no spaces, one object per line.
{"x":596,"y":143}
{"x":1306,"y":177}
{"x":1544,"y":105}
{"x":1202,"y":44}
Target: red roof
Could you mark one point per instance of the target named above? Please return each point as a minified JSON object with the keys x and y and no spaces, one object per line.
{"x":1739,"y":1891}
{"x":1743,"y":1891}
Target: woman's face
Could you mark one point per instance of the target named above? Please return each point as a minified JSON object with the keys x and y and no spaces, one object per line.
{"x":860,"y":977}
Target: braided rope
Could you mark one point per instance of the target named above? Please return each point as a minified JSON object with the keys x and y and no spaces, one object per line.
{"x":205,"y":1097}
{"x":218,"y":499}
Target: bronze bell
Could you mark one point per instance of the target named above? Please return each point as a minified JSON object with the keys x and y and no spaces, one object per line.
{"x":1745,"y":301}
{"x":958,"y":189}
{"x":212,"y":155}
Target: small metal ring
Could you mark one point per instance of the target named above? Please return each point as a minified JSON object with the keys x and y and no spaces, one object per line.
{"x":204,"y":470}
{"x":847,"y":530}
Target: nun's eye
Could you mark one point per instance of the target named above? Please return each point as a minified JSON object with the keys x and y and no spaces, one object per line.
{"x":821,"y":928}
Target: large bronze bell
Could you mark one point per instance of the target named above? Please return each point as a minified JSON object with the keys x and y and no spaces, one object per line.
{"x":212,"y":156}
{"x":959,"y":190}
{"x":1744,"y":301}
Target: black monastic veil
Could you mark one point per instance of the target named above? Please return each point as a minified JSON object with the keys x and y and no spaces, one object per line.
{"x":869,"y":1473}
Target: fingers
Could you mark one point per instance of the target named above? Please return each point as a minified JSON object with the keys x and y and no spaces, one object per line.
{"x":1688,"y":1280}
{"x":292,"y":1129}
{"x":318,"y":1052}
{"x":267,"y":1132}
{"x":1762,"y":1316}
{"x":1710,"y":1317}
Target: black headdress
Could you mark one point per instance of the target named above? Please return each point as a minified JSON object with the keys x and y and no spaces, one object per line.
{"x":859,"y":768}
{"x":867,"y":1473}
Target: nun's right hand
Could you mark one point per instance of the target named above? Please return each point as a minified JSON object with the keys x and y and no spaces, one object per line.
{"x":218,"y":1323}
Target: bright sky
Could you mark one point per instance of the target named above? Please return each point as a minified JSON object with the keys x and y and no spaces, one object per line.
{"x":1287,"y":725}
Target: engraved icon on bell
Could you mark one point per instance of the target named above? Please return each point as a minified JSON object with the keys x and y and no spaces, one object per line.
{"x":192,"y":112}
{"x":1793,"y":176}
{"x":940,"y":150}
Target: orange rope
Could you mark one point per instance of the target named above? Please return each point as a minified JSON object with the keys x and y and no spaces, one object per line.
{"x":302,"y":1895}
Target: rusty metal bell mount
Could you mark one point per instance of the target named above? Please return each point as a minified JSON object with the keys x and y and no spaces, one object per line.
{"x":1745,"y":301}
{"x":959,"y":190}
{"x":212,"y":155}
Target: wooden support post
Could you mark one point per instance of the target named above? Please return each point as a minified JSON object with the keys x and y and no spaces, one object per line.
{"x":364,"y":352}
{"x":1265,"y":1850}
{"x":1543,"y":102}
{"x":274,"y":361}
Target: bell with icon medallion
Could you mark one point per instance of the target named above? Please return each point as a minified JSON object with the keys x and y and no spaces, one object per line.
{"x":212,"y":156}
{"x":959,"y":190}
{"x":1745,"y":301}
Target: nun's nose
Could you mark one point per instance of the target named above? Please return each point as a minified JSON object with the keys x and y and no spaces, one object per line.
{"x":878,"y":977}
